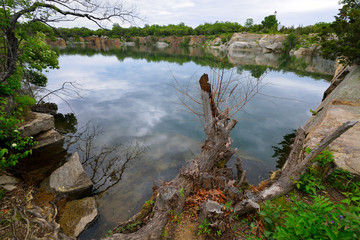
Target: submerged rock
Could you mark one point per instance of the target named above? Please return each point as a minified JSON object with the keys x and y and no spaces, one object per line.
{"x":71,"y":179}
{"x":78,"y":215}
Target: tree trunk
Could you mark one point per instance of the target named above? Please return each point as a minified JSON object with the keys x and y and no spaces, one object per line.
{"x":296,"y":165}
{"x":217,"y":147}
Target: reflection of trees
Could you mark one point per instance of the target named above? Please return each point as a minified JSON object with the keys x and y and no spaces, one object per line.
{"x":282,"y":152}
{"x":105,"y":163}
{"x":65,"y":123}
{"x":256,"y":70}
{"x":178,"y":55}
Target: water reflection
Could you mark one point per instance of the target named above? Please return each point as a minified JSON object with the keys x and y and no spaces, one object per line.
{"x":282,"y":151}
{"x":133,"y":100}
{"x":65,"y":123}
{"x":104,"y":164}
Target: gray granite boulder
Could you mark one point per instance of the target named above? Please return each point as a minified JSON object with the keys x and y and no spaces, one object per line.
{"x":71,"y":179}
{"x":41,"y":122}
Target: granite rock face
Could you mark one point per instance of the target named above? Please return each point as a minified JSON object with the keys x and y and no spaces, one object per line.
{"x":256,"y":42}
{"x":341,"y":105}
{"x":71,"y":179}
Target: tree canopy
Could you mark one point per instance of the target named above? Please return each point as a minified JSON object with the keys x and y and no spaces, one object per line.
{"x":343,"y":40}
{"x":17,"y":15}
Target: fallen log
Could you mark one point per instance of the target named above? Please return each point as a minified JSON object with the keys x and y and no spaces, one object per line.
{"x":296,"y":165}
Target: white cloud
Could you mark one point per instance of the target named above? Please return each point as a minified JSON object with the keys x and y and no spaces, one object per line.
{"x":196,"y":12}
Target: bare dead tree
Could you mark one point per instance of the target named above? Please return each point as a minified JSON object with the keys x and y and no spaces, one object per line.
{"x":67,"y":89}
{"x":50,"y":11}
{"x":217,"y":147}
{"x":229,"y":93}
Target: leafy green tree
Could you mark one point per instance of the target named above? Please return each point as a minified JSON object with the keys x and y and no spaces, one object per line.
{"x":249,"y":23}
{"x":24,"y":54}
{"x":16,"y":13}
{"x":269,"y":22}
{"x":343,"y":41}
{"x":290,"y":42}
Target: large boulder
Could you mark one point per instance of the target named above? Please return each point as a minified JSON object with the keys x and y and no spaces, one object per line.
{"x":71,"y":179}
{"x":78,"y":214}
{"x":40,"y":123}
{"x":341,"y":105}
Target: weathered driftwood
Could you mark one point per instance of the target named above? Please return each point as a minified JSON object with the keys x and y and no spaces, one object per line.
{"x":217,"y":147}
{"x":296,"y":165}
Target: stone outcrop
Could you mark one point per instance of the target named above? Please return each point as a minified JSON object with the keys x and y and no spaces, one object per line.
{"x":256,"y":42}
{"x":71,"y":179}
{"x":162,"y":45}
{"x":41,"y":122}
{"x":78,"y":214}
{"x":341,"y":105}
{"x":58,"y":42}
{"x":41,"y":127}
{"x":47,"y":138}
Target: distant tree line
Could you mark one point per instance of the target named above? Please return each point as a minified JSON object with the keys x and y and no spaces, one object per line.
{"x":340,"y":39}
{"x":268,"y":25}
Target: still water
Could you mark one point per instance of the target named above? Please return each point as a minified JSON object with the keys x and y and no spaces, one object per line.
{"x":131,"y":99}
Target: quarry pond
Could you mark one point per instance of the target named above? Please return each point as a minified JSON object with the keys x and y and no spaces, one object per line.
{"x":129,"y":96}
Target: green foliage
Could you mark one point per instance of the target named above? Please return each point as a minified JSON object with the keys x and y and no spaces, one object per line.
{"x":290,"y":42}
{"x":12,"y":146}
{"x":228,"y":205}
{"x":323,"y":219}
{"x":344,"y":181}
{"x":186,"y":42}
{"x":249,"y":23}
{"x":310,"y":182}
{"x":24,"y":103}
{"x":269,"y":22}
{"x":181,"y":191}
{"x":324,"y":158}
{"x":340,"y":179}
{"x":342,"y":39}
{"x":312,"y":179}
{"x":204,"y":227}
{"x":34,"y":57}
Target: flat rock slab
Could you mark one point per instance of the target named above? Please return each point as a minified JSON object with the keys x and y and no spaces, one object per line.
{"x":48,"y":138}
{"x":71,"y":179}
{"x":341,"y":105}
{"x":78,"y":215}
{"x":41,"y":123}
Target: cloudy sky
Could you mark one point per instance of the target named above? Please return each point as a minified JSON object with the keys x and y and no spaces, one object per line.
{"x":196,"y":12}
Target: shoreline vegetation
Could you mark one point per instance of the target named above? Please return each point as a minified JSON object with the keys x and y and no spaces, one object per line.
{"x":311,"y":198}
